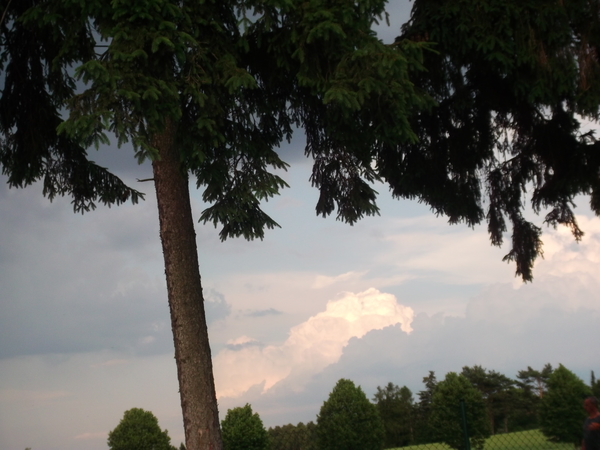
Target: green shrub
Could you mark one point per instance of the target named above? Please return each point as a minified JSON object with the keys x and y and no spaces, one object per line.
{"x":445,"y":417}
{"x":562,"y":413}
{"x":243,"y":430}
{"x":139,"y":430}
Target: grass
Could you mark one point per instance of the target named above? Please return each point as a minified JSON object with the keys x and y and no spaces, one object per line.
{"x":520,"y":440}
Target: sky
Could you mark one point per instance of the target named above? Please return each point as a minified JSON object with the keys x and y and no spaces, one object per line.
{"x":85,"y":329}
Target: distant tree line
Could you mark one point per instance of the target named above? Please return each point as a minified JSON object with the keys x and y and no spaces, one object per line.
{"x":544,"y":399}
{"x":491,"y":403}
{"x":548,"y":399}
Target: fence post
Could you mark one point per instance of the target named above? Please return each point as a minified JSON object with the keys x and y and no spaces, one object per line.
{"x":463,"y":418}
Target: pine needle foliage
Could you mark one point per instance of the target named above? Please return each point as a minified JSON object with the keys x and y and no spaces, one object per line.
{"x":512,"y":80}
{"x":37,"y":51}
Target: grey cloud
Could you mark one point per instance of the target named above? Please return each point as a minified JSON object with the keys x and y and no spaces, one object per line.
{"x":237,"y":347}
{"x":72,"y":283}
{"x":123,"y":163}
{"x":448,"y":344}
{"x":551,"y":333}
{"x":50,"y":320}
{"x":215,"y":305}
{"x":79,"y":283}
{"x":399,"y":13}
{"x":263,"y":313}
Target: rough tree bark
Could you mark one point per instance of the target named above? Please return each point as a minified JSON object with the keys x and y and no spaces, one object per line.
{"x":186,"y":302}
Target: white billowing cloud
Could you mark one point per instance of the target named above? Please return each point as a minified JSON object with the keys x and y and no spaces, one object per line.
{"x":311,"y":346}
{"x":562,"y":254}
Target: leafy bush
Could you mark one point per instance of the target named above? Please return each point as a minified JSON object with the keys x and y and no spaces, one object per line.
{"x":243,"y":430}
{"x":445,"y":417}
{"x":561,"y":413}
{"x":139,"y":430}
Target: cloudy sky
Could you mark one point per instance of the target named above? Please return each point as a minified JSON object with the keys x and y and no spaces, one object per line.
{"x":85,"y":331}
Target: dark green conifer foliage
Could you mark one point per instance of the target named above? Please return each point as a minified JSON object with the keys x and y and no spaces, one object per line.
{"x":535,"y":381}
{"x":396,"y":409}
{"x":36,"y":53}
{"x":422,"y":411}
{"x":509,"y":77}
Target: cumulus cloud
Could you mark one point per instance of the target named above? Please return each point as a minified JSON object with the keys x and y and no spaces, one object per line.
{"x":310,"y":347}
{"x":505,"y":326}
{"x":442,"y":344}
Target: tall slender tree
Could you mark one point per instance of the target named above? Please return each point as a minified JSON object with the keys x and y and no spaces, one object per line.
{"x":198,"y":92}
{"x":423,"y":431}
{"x":396,"y":409}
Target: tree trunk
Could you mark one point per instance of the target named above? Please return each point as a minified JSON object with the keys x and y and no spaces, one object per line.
{"x":186,"y":303}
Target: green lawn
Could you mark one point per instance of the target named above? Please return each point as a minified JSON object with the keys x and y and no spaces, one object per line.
{"x":521,"y":440}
